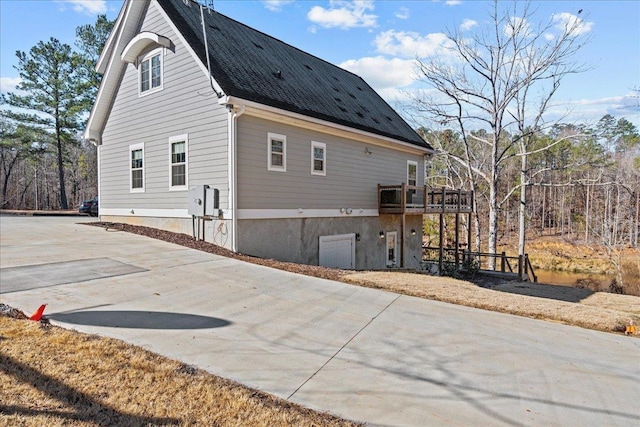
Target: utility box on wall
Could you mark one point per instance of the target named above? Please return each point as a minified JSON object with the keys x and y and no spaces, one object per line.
{"x":203,"y":201}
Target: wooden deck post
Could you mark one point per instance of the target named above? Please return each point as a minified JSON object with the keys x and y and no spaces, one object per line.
{"x":403,"y":189}
{"x":469,"y":235}
{"x":441,"y":245}
{"x":520,"y":269}
{"x":502,"y":259}
{"x":457,"y":256}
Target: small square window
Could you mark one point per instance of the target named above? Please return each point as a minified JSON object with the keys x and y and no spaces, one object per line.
{"x":318,"y":158}
{"x":136,"y":155}
{"x":277,"y":152}
{"x":150,"y":70}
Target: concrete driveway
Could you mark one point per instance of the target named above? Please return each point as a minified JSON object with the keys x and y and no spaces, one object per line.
{"x":360,"y":353}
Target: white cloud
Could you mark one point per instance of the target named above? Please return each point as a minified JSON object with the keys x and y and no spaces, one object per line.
{"x":567,"y":22}
{"x":344,"y":14}
{"x":8,"y":84}
{"x":549,"y":36}
{"x":468,"y":24}
{"x":382,"y":73}
{"x":403,"y":13}
{"x":89,"y":7}
{"x":409,"y":44}
{"x":591,"y":110}
{"x":452,"y":2}
{"x":276,"y":5}
{"x":517,"y":25}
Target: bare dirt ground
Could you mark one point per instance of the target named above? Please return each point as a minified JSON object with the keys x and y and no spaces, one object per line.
{"x":574,"y":306}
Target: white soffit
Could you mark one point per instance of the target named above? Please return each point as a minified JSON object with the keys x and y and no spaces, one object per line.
{"x":135,"y":47}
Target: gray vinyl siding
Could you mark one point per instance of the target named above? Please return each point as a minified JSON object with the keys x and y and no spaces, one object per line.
{"x":351,"y":180}
{"x":185,"y":105}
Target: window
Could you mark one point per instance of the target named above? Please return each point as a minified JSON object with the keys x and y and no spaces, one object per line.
{"x":178,"y":146}
{"x":150,"y":68}
{"x":136,"y":181}
{"x":318,"y":158}
{"x":412,"y":173}
{"x":277,"y":158}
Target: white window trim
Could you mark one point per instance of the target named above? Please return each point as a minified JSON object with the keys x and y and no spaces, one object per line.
{"x":414,"y":163}
{"x":173,"y":139}
{"x":146,"y":57}
{"x":283,"y":138}
{"x":132,"y":148}
{"x":322,"y":145}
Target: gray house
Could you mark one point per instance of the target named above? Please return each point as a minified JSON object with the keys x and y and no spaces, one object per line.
{"x":309,"y":163}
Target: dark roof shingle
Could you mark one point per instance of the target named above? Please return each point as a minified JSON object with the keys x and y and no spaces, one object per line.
{"x":251,"y":65}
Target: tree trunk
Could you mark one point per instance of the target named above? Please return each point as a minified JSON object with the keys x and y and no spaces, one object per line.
{"x":586,"y":213}
{"x":63,"y":192}
{"x":493,"y":219}
{"x":523,"y":203}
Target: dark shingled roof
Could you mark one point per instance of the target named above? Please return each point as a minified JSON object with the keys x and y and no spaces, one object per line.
{"x":254,"y":66}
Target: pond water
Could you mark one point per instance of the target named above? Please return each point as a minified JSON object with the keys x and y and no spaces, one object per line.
{"x":571,"y":279}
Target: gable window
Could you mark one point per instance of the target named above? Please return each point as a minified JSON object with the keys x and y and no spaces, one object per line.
{"x":277,"y":152}
{"x":150,"y":70}
{"x":178,"y":147}
{"x":136,"y":155}
{"x":318,"y":158}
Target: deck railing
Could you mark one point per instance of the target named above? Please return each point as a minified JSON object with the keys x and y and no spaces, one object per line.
{"x":412,"y":199}
{"x":486,"y":262}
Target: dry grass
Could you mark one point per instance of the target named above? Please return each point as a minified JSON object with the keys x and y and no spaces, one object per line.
{"x":579,"y":307}
{"x":50,"y":376}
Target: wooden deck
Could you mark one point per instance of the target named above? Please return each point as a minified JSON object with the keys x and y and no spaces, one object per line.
{"x":492,"y":264}
{"x":419,"y":200}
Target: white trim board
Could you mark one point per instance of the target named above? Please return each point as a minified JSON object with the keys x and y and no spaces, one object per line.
{"x":305,"y":213}
{"x":158,"y":213}
{"x":245,"y":214}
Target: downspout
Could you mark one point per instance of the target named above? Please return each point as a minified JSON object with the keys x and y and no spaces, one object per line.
{"x":98,"y":164}
{"x":232,"y":152}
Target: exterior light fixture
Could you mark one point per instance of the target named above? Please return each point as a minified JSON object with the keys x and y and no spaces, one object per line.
{"x":367,"y":151}
{"x":413,"y":231}
{"x":381,"y":234}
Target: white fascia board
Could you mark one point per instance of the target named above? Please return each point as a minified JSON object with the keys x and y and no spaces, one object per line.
{"x":244,"y":214}
{"x":153,"y":213}
{"x":114,"y":68}
{"x":101,"y":65}
{"x":277,"y":114}
{"x":203,"y":67}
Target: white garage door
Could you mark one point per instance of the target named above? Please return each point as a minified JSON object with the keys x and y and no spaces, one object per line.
{"x":338,"y":251}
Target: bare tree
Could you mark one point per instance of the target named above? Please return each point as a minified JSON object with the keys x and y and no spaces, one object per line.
{"x":501,"y":78}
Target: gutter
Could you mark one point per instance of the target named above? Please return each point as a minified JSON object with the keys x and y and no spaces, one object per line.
{"x":357,"y":133}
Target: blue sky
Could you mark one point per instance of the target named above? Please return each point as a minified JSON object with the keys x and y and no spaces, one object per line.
{"x":379,"y":39}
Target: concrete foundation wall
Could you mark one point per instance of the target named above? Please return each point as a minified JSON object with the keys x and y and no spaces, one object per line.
{"x":297,"y":240}
{"x":216,"y":231}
